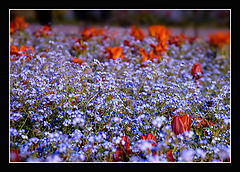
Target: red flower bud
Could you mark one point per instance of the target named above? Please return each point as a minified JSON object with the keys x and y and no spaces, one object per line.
{"x":181,"y":123}
{"x":170,"y":156}
{"x":196,"y":71}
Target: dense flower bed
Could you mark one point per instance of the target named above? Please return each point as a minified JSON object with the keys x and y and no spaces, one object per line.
{"x":118,"y":95}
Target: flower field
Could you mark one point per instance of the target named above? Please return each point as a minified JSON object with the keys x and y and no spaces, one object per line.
{"x":127,"y":95}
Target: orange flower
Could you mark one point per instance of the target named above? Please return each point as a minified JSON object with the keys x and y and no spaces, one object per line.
{"x":155,"y":29}
{"x":149,"y":136}
{"x":181,"y":123}
{"x":114,"y":52}
{"x":196,"y":71}
{"x":137,"y":33}
{"x":19,"y":23}
{"x":127,"y":43}
{"x":177,"y":40}
{"x":204,"y":122}
{"x":79,"y":61}
{"x":159,"y":48}
{"x":88,"y":33}
{"x":43,"y":31}
{"x":219,"y":39}
{"x":22,"y":51}
{"x":159,"y":32}
{"x":144,"y":55}
{"x":14,"y":50}
{"x":148,"y":56}
{"x":79,"y":46}
{"x":12,"y":29}
{"x":25,"y":50}
{"x":132,"y":46}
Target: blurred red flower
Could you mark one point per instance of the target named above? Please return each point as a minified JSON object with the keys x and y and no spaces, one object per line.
{"x":122,"y":151}
{"x":88,"y":33}
{"x":79,"y":61}
{"x":159,"y":48}
{"x":44,"y":31}
{"x":192,"y":39}
{"x":170,"y":156}
{"x":177,"y":39}
{"x":204,"y":123}
{"x":196,"y":71}
{"x":137,"y":33}
{"x":159,"y":32}
{"x":14,"y":156}
{"x":114,"y":52}
{"x":14,"y":50}
{"x":24,"y":50}
{"x":149,"y":56}
{"x":219,"y":39}
{"x":181,"y":123}
{"x":18,"y":24}
{"x":79,"y":46}
{"x":149,"y":136}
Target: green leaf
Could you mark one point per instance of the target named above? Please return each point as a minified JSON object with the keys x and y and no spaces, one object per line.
{"x":198,"y":132}
{"x":34,"y":155}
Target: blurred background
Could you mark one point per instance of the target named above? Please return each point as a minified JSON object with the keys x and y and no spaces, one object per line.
{"x":172,"y":18}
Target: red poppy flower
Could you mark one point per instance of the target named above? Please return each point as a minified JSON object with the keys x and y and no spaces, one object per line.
{"x":181,"y":123}
{"x":196,"y":71}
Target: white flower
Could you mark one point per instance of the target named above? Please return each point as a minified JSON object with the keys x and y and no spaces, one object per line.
{"x":201,"y":153}
{"x":189,"y":134}
{"x":54,"y":158}
{"x":187,"y":155}
{"x":158,"y":121}
{"x":224,"y":153}
{"x":145,"y":145}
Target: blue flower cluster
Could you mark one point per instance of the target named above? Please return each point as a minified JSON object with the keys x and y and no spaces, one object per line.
{"x":63,"y":111}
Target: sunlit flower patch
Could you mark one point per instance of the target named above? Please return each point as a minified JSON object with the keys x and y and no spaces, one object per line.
{"x":127,"y":95}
